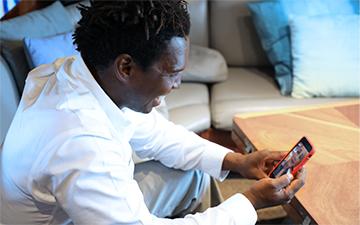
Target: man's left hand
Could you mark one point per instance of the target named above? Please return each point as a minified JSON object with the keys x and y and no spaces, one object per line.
{"x":254,"y":165}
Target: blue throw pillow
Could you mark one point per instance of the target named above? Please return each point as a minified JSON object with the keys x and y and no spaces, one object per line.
{"x":46,"y":50}
{"x":326,"y":57}
{"x":356,"y":5}
{"x":271,"y":19}
{"x":44,"y":22}
{"x":48,"y":21}
{"x":271,"y":24}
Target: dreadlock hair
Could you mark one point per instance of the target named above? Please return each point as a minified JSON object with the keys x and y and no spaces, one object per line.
{"x":141,"y":29}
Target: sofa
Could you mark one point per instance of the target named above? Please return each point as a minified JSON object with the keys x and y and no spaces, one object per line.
{"x":200,"y":104}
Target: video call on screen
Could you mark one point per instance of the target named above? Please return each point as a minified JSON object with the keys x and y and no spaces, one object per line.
{"x":292,"y":159}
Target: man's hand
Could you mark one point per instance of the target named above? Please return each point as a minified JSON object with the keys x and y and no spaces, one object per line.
{"x":252,"y":166}
{"x":269,"y":192}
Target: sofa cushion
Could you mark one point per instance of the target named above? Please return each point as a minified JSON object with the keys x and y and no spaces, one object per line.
{"x":44,"y":22}
{"x":356,"y":5}
{"x":199,"y":31}
{"x":48,"y":49}
{"x":9,"y":98}
{"x":205,"y":65}
{"x":189,"y":106}
{"x":245,"y":83}
{"x":271,"y":19}
{"x":195,"y":118}
{"x":40,"y":23}
{"x":13,"y":52}
{"x":270,"y":22}
{"x":250,"y":90}
{"x":324,"y":57}
{"x":188,"y":94}
{"x":74,"y":12}
{"x":233,"y":34}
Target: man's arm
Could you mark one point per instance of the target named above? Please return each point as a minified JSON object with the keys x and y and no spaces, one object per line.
{"x":176,"y":147}
{"x":91,"y":179}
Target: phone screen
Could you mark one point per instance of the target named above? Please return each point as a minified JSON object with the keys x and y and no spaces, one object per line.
{"x":293,"y":158}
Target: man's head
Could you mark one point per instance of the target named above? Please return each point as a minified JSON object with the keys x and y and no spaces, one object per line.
{"x":135,"y":49}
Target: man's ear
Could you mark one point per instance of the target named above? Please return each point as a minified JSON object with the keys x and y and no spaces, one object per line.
{"x":123,"y":65}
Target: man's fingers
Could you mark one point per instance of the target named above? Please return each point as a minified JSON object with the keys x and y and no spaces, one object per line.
{"x":296,"y":184}
{"x":261,"y":174}
{"x":287,"y":193}
{"x":275,"y":155}
{"x":294,"y":187}
{"x":299,"y":181}
{"x":301,"y":174}
{"x":283,"y":181}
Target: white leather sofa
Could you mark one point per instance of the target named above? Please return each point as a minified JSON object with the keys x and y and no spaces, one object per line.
{"x":250,"y":87}
{"x":222,"y":25}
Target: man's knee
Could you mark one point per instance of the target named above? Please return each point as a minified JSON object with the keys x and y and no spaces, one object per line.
{"x":170,"y":192}
{"x":198,"y":193}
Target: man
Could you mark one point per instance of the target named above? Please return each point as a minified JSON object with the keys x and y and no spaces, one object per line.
{"x":67,"y":155}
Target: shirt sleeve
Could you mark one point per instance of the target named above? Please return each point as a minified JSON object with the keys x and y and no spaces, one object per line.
{"x":176,"y":147}
{"x":91,"y":179}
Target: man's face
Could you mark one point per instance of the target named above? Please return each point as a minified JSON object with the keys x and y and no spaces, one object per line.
{"x":158,"y":80}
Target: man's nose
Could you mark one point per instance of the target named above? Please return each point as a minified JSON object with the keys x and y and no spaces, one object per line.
{"x":177,"y":82}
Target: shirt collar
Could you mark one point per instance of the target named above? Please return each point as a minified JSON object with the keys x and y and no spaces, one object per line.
{"x":117,"y":116}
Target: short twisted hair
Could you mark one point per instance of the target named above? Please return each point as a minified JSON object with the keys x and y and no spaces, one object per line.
{"x":138,"y":28}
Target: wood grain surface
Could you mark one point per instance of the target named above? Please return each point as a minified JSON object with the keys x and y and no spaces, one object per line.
{"x":331,"y":193}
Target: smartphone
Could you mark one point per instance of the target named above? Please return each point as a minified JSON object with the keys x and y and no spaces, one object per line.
{"x":294,"y":160}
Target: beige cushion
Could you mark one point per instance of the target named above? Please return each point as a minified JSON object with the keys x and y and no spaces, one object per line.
{"x":245,"y":83}
{"x":250,"y":90}
{"x":193,"y":117}
{"x":188,"y":94}
{"x":189,"y":106}
{"x":205,"y":65}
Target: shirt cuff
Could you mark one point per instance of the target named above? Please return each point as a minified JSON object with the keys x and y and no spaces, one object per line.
{"x":212,"y":160}
{"x":240,"y":209}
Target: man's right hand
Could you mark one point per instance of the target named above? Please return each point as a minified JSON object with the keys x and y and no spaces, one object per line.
{"x":269,"y":192}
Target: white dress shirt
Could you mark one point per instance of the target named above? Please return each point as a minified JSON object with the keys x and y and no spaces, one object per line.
{"x":67,"y":156}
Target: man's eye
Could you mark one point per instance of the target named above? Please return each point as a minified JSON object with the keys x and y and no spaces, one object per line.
{"x":171,"y":75}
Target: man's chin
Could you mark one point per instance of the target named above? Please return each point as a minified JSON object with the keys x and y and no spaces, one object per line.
{"x":144,"y":110}
{"x":147,"y":108}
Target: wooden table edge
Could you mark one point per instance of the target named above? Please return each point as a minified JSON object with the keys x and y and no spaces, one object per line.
{"x":291,"y":109}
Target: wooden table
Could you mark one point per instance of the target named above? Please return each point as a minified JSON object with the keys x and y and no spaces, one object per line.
{"x":331,"y":192}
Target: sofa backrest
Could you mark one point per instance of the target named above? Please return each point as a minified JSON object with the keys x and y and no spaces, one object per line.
{"x":9,"y":98}
{"x":233,"y":34}
{"x":199,"y":31}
